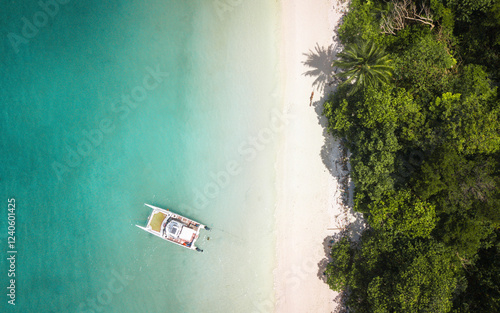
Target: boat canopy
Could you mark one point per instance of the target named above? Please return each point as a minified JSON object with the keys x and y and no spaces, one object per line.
{"x":173,"y":228}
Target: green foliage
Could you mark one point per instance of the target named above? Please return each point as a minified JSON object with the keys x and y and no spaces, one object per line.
{"x":448,"y":21}
{"x":394,"y":274}
{"x":425,"y":163}
{"x":479,"y":36}
{"x":438,"y":8}
{"x":427,"y":283}
{"x":473,"y":79}
{"x":364,"y":64}
{"x":493,"y":22}
{"x":456,"y":183}
{"x":467,"y":122}
{"x":424,"y":68}
{"x":338,"y":270}
{"x":467,"y":119}
{"x":403,"y":214}
{"x":466,"y":8}
{"x":483,"y":284}
{"x":374,"y":162}
{"x":360,"y":24}
{"x":372,"y":122}
{"x":465,"y":193}
{"x":464,"y":233}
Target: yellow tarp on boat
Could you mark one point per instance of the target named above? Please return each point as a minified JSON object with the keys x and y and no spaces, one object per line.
{"x":156,"y":221}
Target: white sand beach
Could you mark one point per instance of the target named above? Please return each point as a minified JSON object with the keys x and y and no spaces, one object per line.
{"x":307,"y":191}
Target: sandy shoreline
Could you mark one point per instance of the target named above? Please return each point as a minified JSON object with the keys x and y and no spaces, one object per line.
{"x":307,"y":191}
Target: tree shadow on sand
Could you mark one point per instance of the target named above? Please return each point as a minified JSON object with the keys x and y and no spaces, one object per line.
{"x":335,"y":159}
{"x":341,"y":297}
{"x":320,"y":61}
{"x":353,"y":230}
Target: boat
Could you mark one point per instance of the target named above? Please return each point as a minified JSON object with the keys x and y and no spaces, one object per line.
{"x":173,"y":227}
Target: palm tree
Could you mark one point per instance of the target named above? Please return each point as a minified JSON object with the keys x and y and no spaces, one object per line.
{"x":364,"y":64}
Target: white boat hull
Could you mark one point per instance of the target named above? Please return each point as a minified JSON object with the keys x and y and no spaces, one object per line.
{"x":161,"y":221}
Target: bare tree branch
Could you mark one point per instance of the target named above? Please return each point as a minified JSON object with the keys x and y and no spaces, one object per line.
{"x":403,"y":13}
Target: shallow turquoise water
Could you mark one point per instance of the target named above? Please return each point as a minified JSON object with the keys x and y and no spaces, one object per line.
{"x":110,"y":105}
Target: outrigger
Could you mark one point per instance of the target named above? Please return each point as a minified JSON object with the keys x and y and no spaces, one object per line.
{"x":173,"y":227}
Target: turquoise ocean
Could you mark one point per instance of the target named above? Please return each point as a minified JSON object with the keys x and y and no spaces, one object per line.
{"x":107,"y":105}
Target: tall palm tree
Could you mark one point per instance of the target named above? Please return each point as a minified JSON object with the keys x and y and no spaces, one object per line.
{"x":364,"y":64}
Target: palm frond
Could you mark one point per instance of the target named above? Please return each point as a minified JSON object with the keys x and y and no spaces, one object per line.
{"x":364,"y":63}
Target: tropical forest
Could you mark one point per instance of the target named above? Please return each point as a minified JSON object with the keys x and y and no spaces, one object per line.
{"x":418,"y":108}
